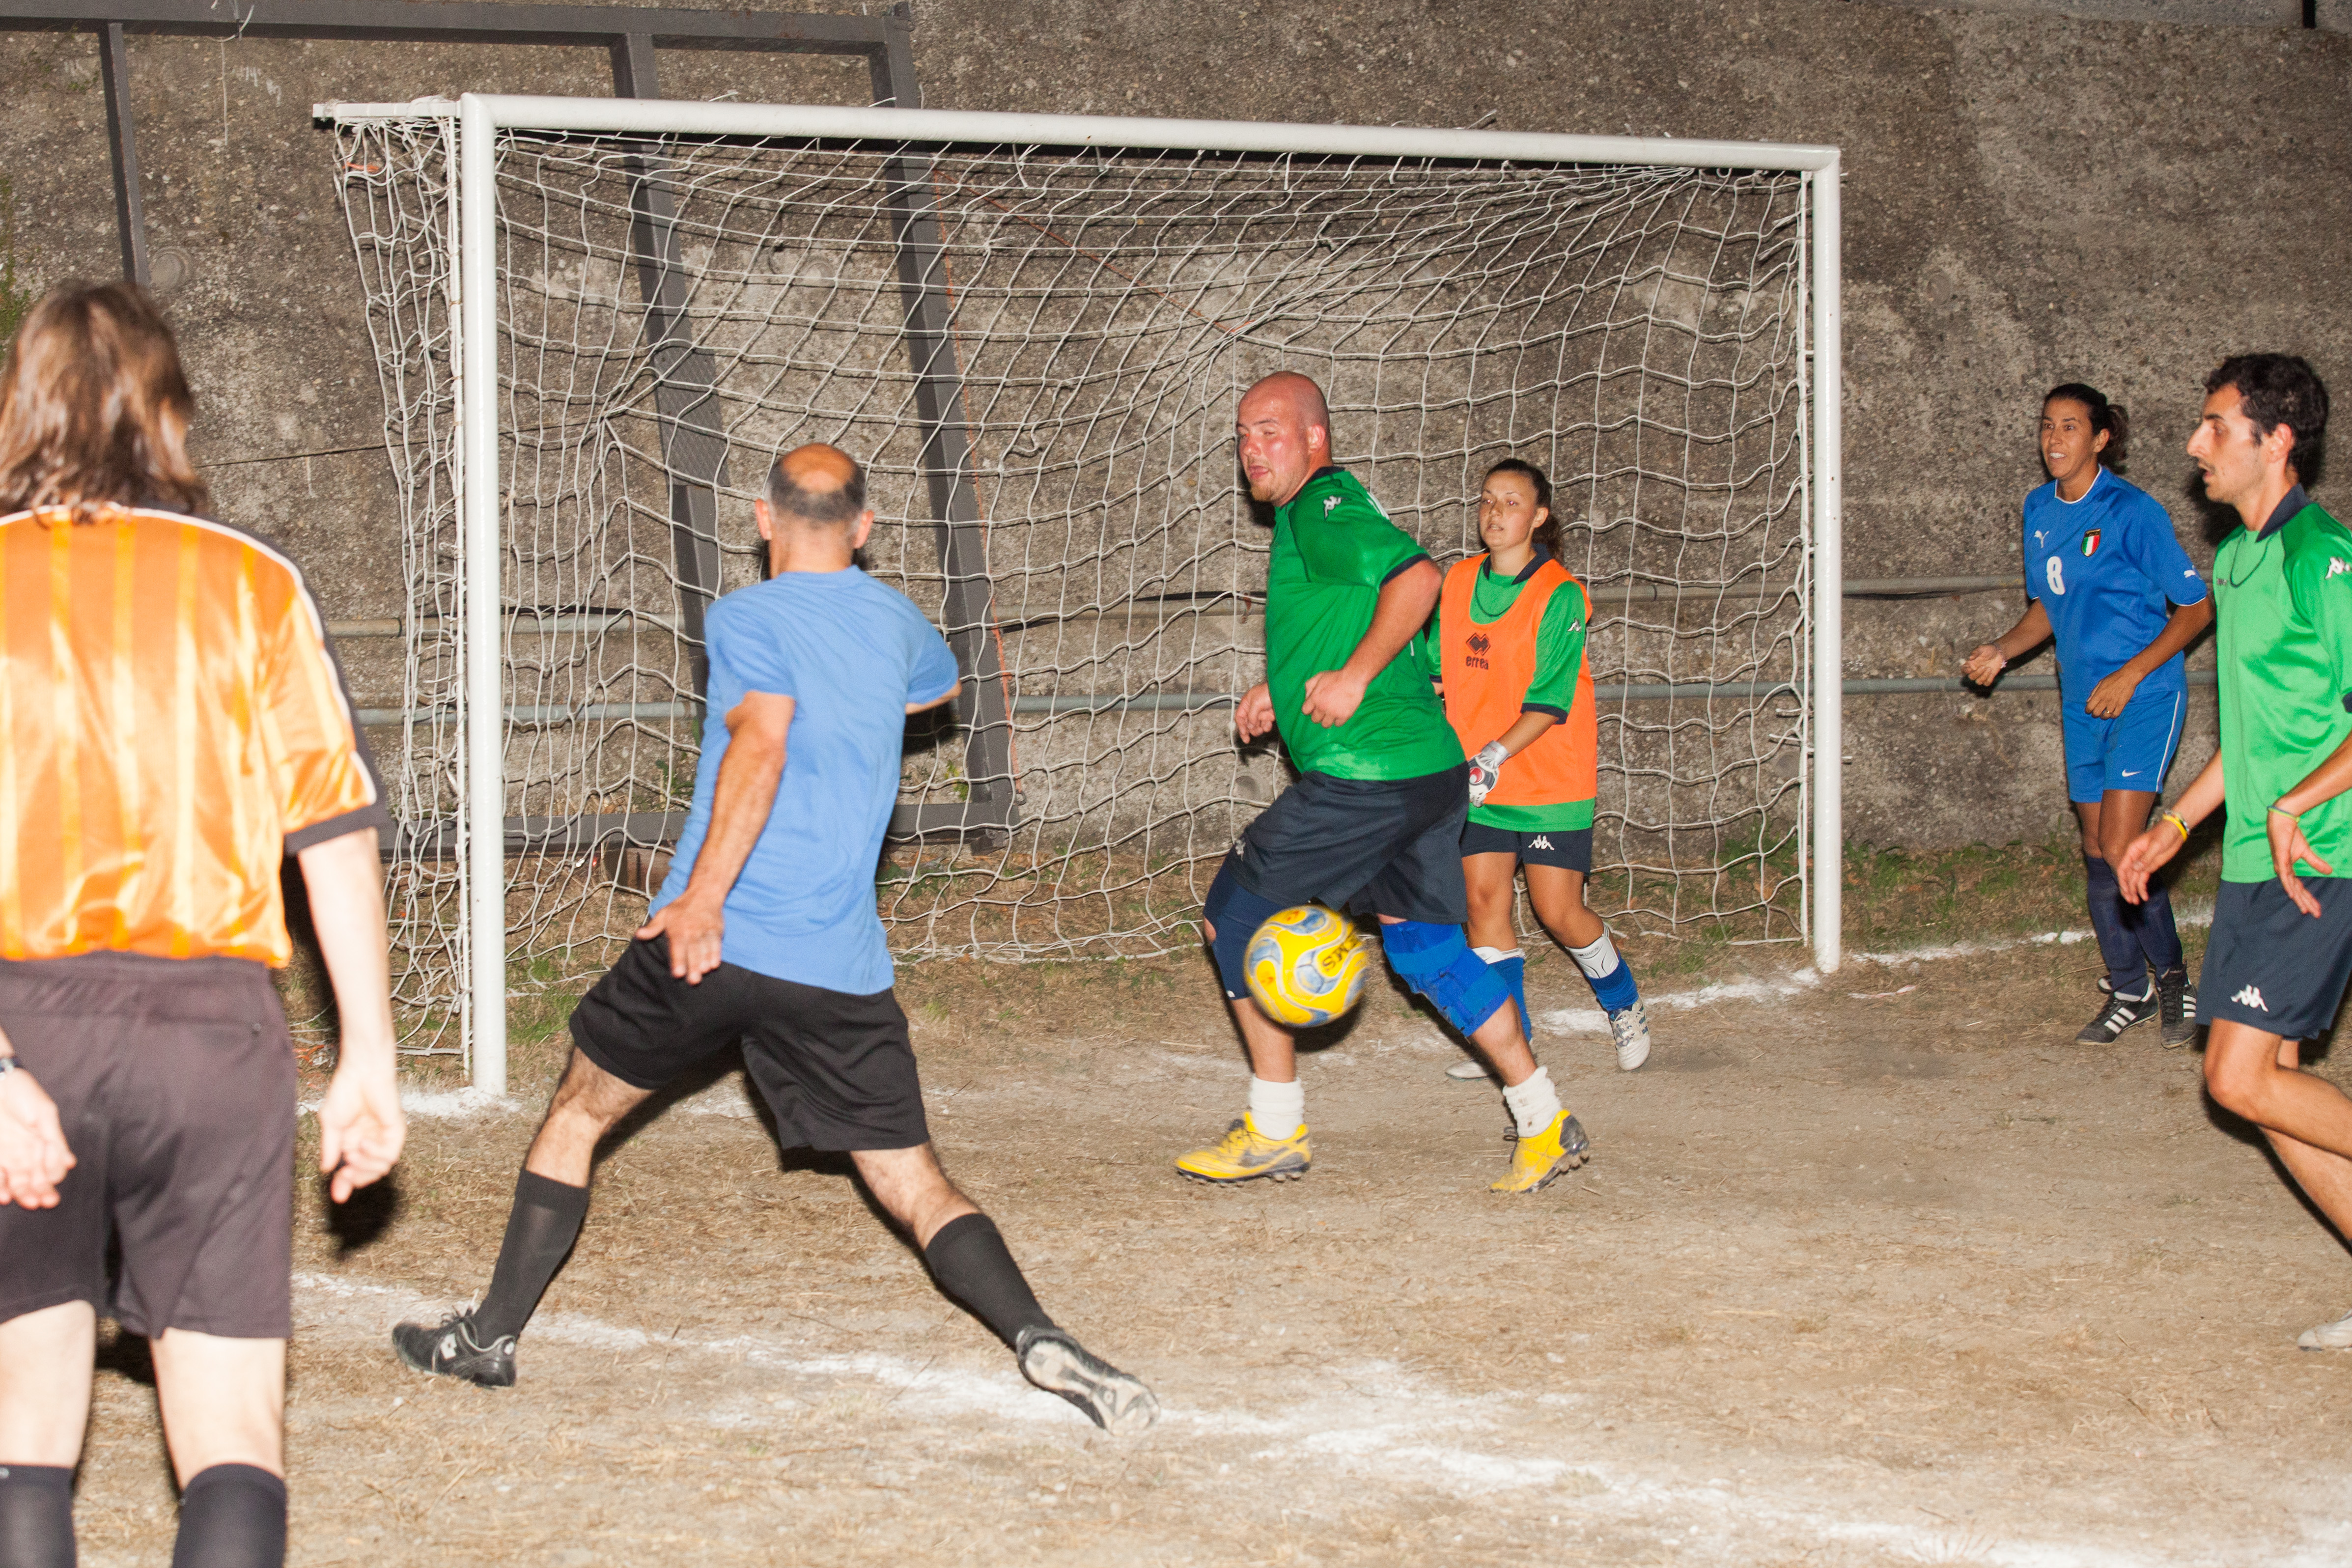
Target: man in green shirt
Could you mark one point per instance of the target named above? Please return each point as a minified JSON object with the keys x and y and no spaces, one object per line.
{"x":2281,"y":951}
{"x":1374,"y":824}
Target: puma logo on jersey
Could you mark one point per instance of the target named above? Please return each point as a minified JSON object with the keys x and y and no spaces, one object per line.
{"x":2334,"y":567}
{"x":2251,"y":997}
{"x":1540,"y":841}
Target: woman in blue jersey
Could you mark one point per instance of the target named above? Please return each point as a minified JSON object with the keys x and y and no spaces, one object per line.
{"x":2107,"y":577}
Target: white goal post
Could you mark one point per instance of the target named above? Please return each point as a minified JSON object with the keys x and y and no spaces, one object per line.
{"x":1789,"y":616}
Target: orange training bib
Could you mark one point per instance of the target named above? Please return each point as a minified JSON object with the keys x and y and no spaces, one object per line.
{"x":1487,"y":670}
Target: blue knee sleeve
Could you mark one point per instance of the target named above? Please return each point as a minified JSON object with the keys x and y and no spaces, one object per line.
{"x":1436,"y":962}
{"x":1236,"y":912}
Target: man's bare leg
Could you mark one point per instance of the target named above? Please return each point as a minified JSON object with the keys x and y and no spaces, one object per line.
{"x":973,"y":1267}
{"x":223,"y":1404}
{"x":2307,"y":1120}
{"x":46,"y":1359}
{"x":551,"y":1202}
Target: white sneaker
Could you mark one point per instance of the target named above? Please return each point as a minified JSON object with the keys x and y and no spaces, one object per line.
{"x":1632,"y":1027}
{"x":1470,"y":1069}
{"x":2334,"y":1336}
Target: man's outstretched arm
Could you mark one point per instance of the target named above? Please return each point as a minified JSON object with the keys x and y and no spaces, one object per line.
{"x":1406,"y":600}
{"x":695,"y":919}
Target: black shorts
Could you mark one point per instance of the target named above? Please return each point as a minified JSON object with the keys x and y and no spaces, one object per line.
{"x":174,"y":1082}
{"x":837,"y":1069}
{"x":1570,"y":850}
{"x":1370,"y":846}
{"x":2269,"y":966}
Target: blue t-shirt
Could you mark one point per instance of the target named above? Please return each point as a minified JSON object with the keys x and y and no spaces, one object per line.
{"x":2108,"y":570}
{"x":852,"y":655}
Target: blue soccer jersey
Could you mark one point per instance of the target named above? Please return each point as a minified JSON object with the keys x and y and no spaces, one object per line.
{"x":852,"y":654}
{"x":2108,"y":570}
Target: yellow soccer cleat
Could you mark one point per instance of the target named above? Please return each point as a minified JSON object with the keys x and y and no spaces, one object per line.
{"x":1537,"y":1161}
{"x":1243,"y":1155}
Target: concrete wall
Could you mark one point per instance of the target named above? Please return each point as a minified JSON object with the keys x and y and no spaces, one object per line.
{"x":2030,"y":198}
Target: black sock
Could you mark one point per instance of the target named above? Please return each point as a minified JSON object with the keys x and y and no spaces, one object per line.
{"x":232,"y":1516}
{"x":2110,"y":920}
{"x":36,"y":1516}
{"x":972,"y":1265}
{"x":541,"y":1230}
{"x":2160,"y":938}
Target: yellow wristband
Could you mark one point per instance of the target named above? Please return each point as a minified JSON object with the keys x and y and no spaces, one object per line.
{"x":2179,"y":821}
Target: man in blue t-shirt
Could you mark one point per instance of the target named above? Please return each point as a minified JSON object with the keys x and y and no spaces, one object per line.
{"x":2107,"y":577}
{"x":765,"y":934}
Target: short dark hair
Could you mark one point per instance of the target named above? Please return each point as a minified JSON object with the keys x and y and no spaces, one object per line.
{"x":835,"y":508}
{"x":1547,"y":533}
{"x":2276,"y":390}
{"x":2105,"y":417}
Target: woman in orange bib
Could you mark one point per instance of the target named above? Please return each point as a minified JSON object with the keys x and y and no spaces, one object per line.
{"x":1507,"y":649}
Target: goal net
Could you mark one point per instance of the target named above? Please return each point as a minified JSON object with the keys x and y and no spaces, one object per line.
{"x":1036,"y":344}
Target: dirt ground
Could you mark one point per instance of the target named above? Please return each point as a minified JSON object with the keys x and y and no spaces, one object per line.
{"x":1876,"y":1269}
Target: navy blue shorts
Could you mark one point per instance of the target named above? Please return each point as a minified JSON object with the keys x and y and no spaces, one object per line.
{"x":2130,"y":751}
{"x":2269,"y":966}
{"x":1368,"y":846}
{"x":1570,"y":849}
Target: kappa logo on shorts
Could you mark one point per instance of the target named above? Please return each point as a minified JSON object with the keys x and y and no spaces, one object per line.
{"x":1241,"y":848}
{"x":1540,"y":841}
{"x":2248,"y":996}
{"x":2335,"y":567}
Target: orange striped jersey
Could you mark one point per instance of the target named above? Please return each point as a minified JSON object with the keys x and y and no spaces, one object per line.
{"x":173,"y":724}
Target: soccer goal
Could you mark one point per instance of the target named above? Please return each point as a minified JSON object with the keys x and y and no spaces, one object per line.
{"x":597,"y":319}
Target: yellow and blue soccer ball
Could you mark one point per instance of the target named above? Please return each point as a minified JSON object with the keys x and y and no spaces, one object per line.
{"x":1306,"y":966}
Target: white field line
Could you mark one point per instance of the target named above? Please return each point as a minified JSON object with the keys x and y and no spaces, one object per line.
{"x":1592,"y":1020}
{"x":1377,"y":1421}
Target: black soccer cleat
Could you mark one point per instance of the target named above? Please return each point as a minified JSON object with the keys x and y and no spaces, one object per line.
{"x":2119,"y":1014}
{"x":2176,"y":1002}
{"x":448,"y":1349}
{"x":1115,"y":1401}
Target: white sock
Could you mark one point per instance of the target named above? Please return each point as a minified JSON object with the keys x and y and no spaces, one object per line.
{"x":1533,"y":1101}
{"x":1497,"y":954}
{"x":1276,"y":1110}
{"x":1597,"y":960}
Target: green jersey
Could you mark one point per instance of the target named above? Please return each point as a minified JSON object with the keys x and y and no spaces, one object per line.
{"x":1559,"y":655}
{"x":2286,"y":677}
{"x":1333,"y":550}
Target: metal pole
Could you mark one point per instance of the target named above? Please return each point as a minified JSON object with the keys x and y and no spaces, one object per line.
{"x":486,"y":893}
{"x":1829,"y":579}
{"x":130,"y":210}
{"x":686,"y":397}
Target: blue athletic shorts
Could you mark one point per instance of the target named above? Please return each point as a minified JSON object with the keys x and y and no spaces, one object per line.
{"x":2130,"y":751}
{"x":1570,"y":849}
{"x":2269,"y":966}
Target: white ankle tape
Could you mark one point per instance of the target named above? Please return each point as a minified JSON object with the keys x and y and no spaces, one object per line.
{"x":1276,"y":1109}
{"x":1534,"y":1102}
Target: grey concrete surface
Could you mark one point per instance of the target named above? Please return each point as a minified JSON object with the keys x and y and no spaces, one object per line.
{"x":2031,"y":197}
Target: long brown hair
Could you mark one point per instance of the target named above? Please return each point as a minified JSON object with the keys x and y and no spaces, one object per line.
{"x":94,"y":407}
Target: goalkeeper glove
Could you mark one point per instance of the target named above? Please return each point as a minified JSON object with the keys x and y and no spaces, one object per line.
{"x":1486,"y":768}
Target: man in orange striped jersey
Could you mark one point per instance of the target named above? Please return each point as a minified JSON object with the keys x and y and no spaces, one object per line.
{"x":173,"y":724}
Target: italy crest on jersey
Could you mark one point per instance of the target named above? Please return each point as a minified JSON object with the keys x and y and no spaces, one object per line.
{"x":2091,"y":541}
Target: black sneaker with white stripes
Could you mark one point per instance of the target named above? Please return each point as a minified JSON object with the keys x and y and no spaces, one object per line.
{"x":2119,"y":1014}
{"x":448,"y":1349}
{"x":2176,"y":1003}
